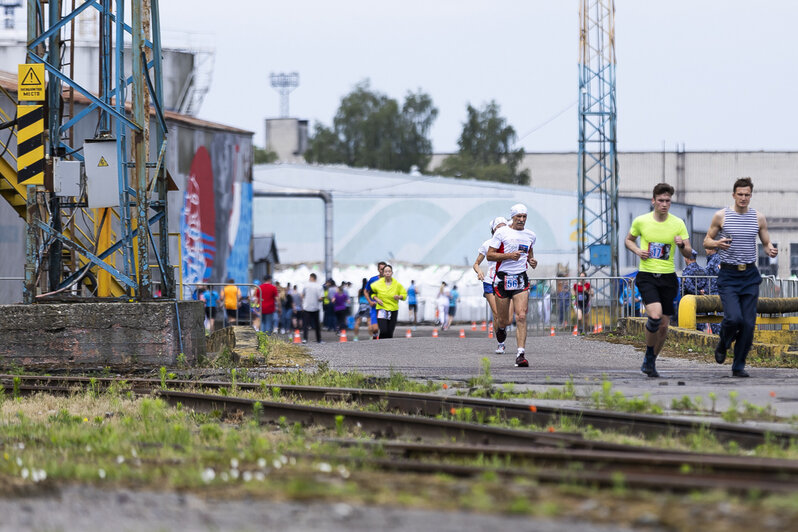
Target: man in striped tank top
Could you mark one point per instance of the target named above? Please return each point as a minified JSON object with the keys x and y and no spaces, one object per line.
{"x":733,"y":233}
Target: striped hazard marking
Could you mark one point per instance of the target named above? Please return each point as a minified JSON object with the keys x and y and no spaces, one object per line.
{"x":30,"y":144}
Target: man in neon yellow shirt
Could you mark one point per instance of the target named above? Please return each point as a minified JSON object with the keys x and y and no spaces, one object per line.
{"x":661,"y":234}
{"x":387,"y":292}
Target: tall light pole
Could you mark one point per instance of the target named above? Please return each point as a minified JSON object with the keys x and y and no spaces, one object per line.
{"x":284,"y":84}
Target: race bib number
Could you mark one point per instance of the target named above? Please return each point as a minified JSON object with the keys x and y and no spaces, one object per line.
{"x":383,"y":314}
{"x":523,"y":248}
{"x":580,"y":296}
{"x":513,"y":282}
{"x":660,"y":251}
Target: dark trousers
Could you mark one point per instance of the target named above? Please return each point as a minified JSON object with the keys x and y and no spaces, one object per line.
{"x":387,"y":325}
{"x":739,"y":292}
{"x":311,"y":319}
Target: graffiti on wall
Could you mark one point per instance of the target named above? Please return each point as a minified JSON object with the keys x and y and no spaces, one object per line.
{"x":215,"y":225}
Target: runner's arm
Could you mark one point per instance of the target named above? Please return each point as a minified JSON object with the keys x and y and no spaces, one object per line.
{"x":764,"y":236}
{"x":477,"y":262}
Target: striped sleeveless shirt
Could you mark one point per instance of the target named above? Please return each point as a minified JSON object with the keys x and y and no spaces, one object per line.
{"x":743,"y":230}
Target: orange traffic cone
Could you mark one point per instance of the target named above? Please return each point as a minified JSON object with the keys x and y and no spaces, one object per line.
{"x":462,"y":333}
{"x":297,"y":338}
{"x":342,"y":339}
{"x":595,"y":328}
{"x":552,"y":332}
{"x":473,"y":326}
{"x":484,"y":325}
{"x":576,"y":331}
{"x":408,"y":334}
{"x":490,"y":330}
{"x":600,"y":327}
{"x":434,"y":333}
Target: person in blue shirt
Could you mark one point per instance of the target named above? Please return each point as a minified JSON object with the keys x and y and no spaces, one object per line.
{"x":412,"y":302}
{"x":211,"y":299}
{"x":454,"y":297}
{"x":630,"y":298}
{"x":694,"y":281}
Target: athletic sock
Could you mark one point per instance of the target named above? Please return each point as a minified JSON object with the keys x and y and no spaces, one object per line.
{"x":649,"y":352}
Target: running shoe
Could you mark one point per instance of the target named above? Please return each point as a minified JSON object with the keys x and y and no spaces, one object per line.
{"x":520,"y":361}
{"x":500,"y":349}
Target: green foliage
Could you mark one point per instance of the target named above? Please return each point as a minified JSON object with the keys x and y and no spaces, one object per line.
{"x":263,"y":156}
{"x":486,"y":149}
{"x":607,"y":399}
{"x":371,"y":130}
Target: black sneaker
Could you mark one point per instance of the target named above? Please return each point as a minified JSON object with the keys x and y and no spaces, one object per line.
{"x":501,"y":335}
{"x":740,"y":373}
{"x":649,"y":369}
{"x":521,"y":362}
{"x":720,"y":354}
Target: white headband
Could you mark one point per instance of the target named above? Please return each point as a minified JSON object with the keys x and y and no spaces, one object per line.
{"x":518,"y":208}
{"x":496,"y":221}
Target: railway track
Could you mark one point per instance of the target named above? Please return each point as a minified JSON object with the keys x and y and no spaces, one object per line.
{"x":434,"y":405}
{"x":544,"y":456}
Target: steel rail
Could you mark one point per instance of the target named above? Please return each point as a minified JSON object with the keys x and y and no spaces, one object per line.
{"x":630,"y":479}
{"x":433,"y":405}
{"x":378,"y":424}
{"x":756,"y":468}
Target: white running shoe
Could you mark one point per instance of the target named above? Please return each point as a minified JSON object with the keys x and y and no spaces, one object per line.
{"x":500,"y":349}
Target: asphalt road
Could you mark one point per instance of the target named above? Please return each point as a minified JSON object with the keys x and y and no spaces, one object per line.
{"x":553,"y":360}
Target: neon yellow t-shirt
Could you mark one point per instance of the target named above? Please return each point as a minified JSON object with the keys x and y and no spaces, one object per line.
{"x":658,"y":237}
{"x":386,"y":293}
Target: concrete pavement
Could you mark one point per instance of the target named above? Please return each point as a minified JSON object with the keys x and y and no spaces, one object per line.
{"x":553,"y":360}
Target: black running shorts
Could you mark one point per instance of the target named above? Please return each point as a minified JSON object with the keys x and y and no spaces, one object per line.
{"x":506,"y":285}
{"x":658,"y":288}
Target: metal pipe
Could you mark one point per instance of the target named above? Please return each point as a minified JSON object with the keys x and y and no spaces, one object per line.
{"x":326,"y":197}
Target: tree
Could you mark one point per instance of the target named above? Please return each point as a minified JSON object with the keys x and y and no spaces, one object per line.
{"x":485,"y":149}
{"x":262,"y":156}
{"x":371,"y":130}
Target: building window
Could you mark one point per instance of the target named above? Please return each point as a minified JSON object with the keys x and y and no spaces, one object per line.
{"x":793,"y":259}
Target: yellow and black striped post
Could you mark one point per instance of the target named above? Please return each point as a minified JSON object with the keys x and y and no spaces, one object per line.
{"x":30,"y":144}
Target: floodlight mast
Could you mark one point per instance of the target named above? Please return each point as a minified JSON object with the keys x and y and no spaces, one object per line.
{"x":284,"y":84}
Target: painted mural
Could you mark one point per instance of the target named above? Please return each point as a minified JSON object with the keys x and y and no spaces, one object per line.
{"x":216,"y":216}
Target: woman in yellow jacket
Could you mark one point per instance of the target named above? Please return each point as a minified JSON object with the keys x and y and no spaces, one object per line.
{"x":387,"y":292}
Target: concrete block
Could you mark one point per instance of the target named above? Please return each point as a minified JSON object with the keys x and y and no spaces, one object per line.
{"x":120,"y":336}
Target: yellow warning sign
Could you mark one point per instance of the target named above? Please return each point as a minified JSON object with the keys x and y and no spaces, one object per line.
{"x":102,"y":162}
{"x":30,"y":82}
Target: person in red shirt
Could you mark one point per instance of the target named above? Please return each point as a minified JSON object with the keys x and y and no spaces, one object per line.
{"x":582,"y":293}
{"x":268,"y":305}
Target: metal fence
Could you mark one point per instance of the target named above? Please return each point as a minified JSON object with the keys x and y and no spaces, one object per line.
{"x":247,"y":312}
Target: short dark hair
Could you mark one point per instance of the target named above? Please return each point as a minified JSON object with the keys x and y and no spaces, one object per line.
{"x":662,"y":188}
{"x":742,"y":183}
{"x":313,"y":276}
{"x":382,"y":263}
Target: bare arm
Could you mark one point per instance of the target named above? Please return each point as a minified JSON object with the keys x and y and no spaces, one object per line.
{"x":684,"y":246}
{"x":495,"y":256}
{"x":631,"y":245}
{"x":715,"y":226}
{"x":764,"y":236}
{"x":531,"y":260}
{"x":480,"y":258}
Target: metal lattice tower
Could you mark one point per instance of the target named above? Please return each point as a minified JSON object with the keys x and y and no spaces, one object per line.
{"x":121,"y":242}
{"x":598,"y":165}
{"x":284,"y":84}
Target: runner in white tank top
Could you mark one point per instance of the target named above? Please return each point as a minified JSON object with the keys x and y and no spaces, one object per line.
{"x":511,"y":249}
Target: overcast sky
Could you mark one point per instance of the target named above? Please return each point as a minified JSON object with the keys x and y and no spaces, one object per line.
{"x":712,"y":74}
